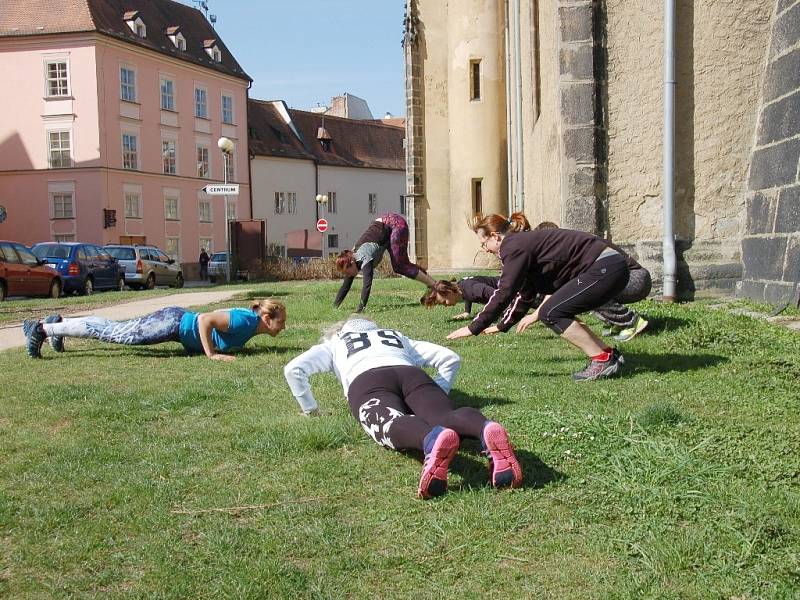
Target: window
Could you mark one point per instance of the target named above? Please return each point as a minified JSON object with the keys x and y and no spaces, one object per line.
{"x":57,"y":78}
{"x":332,"y":202}
{"x":206,"y":244}
{"x":141,"y":30}
{"x":62,"y":205}
{"x":285,"y":202}
{"x":230,"y":162}
{"x":333,"y":240}
{"x":171,"y":209}
{"x":475,"y":80}
{"x":169,"y":154}
{"x":203,"y":169}
{"x":227,"y":109}
{"x":200,"y":103}
{"x":403,"y":205}
{"x":59,"y":149}
{"x":133,"y":205}
{"x":477,"y":196}
{"x":127,"y":84}
{"x":205,"y":211}
{"x":373,"y":203}
{"x":216,"y":54}
{"x":64,"y":237}
{"x":130,"y":152}
{"x":231,"y":210}
{"x":181,"y":42}
{"x":174,"y":248}
{"x":167,"y":94}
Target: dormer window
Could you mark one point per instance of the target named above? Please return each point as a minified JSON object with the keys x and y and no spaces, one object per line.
{"x":176,"y":37}
{"x":213,"y":50}
{"x":134,"y":21}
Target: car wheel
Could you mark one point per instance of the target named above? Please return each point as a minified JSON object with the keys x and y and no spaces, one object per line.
{"x":55,"y":288}
{"x":179,"y":281}
{"x":121,"y":284}
{"x":151,"y":282}
{"x":88,"y":287}
{"x":3,"y":291}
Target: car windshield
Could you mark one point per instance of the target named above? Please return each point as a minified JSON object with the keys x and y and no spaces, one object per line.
{"x":51,"y":251}
{"x":218,"y":257}
{"x":122,"y":253}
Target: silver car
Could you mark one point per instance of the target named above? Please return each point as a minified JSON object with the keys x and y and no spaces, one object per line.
{"x":146,"y":266}
{"x":216,"y":266}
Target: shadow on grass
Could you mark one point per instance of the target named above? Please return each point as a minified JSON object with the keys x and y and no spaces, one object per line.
{"x":155,"y":352}
{"x":667,"y":363}
{"x":253,"y":295}
{"x":662,"y":324}
{"x":462,"y":399}
{"x":475,"y":474}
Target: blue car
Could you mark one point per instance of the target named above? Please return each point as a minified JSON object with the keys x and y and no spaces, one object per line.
{"x":83,"y":268}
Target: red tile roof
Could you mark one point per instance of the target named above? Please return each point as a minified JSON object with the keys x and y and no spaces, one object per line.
{"x":43,"y":17}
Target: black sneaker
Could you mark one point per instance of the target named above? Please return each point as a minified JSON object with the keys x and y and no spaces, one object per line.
{"x":599,"y":369}
{"x":35,"y":337}
{"x":56,"y":341}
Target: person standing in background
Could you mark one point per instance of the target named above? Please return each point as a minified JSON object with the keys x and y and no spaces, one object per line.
{"x":203,"y":260}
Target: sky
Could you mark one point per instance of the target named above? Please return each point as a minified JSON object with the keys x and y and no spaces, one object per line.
{"x":306,"y":51}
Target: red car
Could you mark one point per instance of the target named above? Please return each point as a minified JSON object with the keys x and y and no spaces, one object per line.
{"x":22,"y":274}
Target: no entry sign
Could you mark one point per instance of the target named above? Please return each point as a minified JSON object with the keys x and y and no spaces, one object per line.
{"x":322,"y":225}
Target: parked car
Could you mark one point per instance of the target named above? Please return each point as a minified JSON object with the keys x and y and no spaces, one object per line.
{"x":22,"y":274}
{"x":216,"y":266}
{"x":84,"y":268}
{"x":146,"y":266}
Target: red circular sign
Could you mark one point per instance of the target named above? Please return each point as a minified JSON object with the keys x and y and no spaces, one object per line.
{"x":322,"y":225}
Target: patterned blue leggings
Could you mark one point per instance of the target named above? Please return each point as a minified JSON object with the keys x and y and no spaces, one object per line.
{"x":155,"y":328}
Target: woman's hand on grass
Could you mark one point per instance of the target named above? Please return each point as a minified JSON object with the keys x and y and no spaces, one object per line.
{"x":460,"y":333}
{"x":223,"y":357}
{"x":490,"y":330}
{"x":527,"y":321}
{"x":461,"y":317}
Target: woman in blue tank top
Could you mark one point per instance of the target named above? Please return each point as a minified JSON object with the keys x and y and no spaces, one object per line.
{"x":213,"y":334}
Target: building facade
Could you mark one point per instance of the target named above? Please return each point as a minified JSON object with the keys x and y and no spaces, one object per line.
{"x":117,"y":108}
{"x":555,"y":109}
{"x":357,"y":165}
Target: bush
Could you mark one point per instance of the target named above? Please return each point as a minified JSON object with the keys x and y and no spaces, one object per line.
{"x":276,"y":268}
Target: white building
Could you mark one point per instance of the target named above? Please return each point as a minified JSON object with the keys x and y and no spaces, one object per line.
{"x":297,"y":155}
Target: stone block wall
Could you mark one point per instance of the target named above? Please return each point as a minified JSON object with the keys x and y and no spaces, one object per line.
{"x":771,"y":241}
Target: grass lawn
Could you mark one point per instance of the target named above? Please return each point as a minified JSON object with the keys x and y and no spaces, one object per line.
{"x":144,"y":473}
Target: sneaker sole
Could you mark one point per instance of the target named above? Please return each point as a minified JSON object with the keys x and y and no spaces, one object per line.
{"x":56,"y":341}
{"x":609,"y":371}
{"x":433,"y":481}
{"x":29,"y":329}
{"x":502,"y":453}
{"x":640,"y":327}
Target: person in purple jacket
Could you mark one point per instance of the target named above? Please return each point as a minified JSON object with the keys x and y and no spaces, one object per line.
{"x":577,"y":272}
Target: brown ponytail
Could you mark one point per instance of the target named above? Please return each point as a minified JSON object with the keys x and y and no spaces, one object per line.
{"x":499,"y":224}
{"x":344,"y":260}
{"x":432,"y":296}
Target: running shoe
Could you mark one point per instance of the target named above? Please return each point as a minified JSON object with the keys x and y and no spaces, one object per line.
{"x":630,"y":332}
{"x":56,"y":341}
{"x":35,"y":337}
{"x":503,"y":465}
{"x":433,"y":481}
{"x":600,"y":369}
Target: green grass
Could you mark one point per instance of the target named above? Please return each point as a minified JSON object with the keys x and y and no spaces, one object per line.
{"x":680,"y":479}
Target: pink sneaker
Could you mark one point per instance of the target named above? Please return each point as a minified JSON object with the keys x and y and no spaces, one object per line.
{"x":506,"y":470}
{"x":433,"y":481}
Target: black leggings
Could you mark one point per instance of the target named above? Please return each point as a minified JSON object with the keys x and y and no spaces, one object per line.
{"x":598,"y":284}
{"x":398,"y":406}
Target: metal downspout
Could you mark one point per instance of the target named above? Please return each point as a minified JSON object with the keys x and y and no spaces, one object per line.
{"x":670,"y":262}
{"x":520,"y":204}
{"x":509,"y":141}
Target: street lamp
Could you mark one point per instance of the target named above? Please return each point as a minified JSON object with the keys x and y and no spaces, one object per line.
{"x":322,"y":200}
{"x":226,"y":145}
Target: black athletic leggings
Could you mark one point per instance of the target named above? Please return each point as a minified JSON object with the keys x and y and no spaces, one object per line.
{"x":598,"y":284}
{"x":398,"y":406}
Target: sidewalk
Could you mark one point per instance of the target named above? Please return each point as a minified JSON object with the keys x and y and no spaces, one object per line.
{"x":11,"y":335}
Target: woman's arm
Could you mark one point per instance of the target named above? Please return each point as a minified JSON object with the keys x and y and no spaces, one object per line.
{"x":367,"y":272}
{"x":317,"y":359}
{"x":208,"y":322}
{"x":445,"y":361}
{"x":342,"y":293}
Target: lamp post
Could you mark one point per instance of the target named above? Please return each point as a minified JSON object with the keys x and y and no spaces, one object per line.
{"x":322,"y":200}
{"x":226,"y":145}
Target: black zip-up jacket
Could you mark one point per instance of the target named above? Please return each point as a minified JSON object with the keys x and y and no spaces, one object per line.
{"x":538,"y":261}
{"x":480,"y":288}
{"x":376,"y":233}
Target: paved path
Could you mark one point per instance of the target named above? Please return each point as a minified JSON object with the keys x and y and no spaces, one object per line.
{"x":11,"y":335}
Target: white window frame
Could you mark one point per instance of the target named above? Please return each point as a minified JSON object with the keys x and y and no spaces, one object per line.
{"x":66,"y":79}
{"x":60,"y":149}
{"x":63,"y":213}
{"x":169,"y":199}
{"x":123,"y":85}
{"x":176,"y":242}
{"x":169,"y":165}
{"x":132,"y":165}
{"x":331,"y":207}
{"x":135,"y":24}
{"x":203,"y":163}
{"x":372,"y":205}
{"x":230,"y":111}
{"x":285,"y":203}
{"x":63,"y":237}
{"x":229,"y":163}
{"x":200,"y":90}
{"x":126,"y":204}
{"x":170,"y":97}
{"x":200,"y":204}
{"x":214,"y":53}
{"x":280,"y":203}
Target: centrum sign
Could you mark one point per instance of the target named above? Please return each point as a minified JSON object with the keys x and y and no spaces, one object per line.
{"x":228,"y":189}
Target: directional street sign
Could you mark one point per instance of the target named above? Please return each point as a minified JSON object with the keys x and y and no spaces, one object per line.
{"x":322,"y":225}
{"x":219,"y":189}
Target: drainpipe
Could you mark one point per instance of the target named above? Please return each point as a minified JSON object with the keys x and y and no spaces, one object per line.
{"x":509,"y":153}
{"x":520,"y":204}
{"x":247,"y":137}
{"x":670,"y":262}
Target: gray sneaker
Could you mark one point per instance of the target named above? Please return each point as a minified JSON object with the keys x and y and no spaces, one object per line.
{"x":56,"y":341}
{"x":599,"y":369}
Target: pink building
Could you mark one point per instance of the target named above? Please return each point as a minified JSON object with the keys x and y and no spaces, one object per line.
{"x":111,"y":113}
